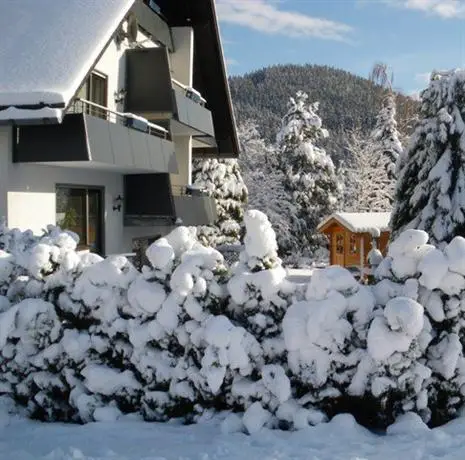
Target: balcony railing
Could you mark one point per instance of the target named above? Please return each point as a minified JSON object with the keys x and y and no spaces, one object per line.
{"x":190,"y":93}
{"x":187,"y":190}
{"x":126,"y":119}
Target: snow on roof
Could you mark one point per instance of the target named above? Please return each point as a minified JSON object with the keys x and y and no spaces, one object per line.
{"x":361,"y":222}
{"x":49,"y":46}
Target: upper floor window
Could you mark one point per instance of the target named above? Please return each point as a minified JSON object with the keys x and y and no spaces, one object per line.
{"x":95,"y":89}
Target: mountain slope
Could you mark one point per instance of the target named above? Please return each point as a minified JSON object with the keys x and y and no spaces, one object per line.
{"x":346,"y":100}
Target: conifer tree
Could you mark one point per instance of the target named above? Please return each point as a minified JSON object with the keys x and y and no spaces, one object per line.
{"x":386,"y":138}
{"x":222,"y":179}
{"x":265,"y":182}
{"x":430,"y":189}
{"x":310,"y":176}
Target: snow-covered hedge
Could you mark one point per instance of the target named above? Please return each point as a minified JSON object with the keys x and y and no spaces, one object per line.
{"x":84,"y":338}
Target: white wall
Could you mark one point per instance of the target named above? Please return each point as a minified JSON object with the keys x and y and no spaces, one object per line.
{"x":32,"y":188}
{"x":182,"y":60}
{"x":112,"y":63}
{"x":28,"y":201}
{"x":183,"y":152}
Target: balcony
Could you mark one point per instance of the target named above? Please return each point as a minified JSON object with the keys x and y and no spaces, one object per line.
{"x":194,"y":207}
{"x":94,"y":136}
{"x":153,"y":94}
{"x":150,"y":18}
{"x":150,"y":200}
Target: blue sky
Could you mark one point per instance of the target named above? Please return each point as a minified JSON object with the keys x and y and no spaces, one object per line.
{"x":413,"y":37}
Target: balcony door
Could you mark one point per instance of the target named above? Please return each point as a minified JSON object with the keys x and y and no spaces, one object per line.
{"x":80,"y":209}
{"x":95,"y":89}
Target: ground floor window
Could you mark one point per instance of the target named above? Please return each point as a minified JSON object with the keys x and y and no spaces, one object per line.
{"x":80,"y":209}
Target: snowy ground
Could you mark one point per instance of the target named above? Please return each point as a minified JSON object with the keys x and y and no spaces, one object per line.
{"x":133,"y":440}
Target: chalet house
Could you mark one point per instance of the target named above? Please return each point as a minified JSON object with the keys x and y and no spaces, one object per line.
{"x":103,"y":106}
{"x":351,"y":235}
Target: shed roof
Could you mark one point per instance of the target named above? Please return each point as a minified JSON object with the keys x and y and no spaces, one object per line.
{"x":360,"y":222}
{"x":48,"y":48}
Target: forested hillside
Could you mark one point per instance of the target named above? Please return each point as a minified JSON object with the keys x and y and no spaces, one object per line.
{"x":346,"y":100}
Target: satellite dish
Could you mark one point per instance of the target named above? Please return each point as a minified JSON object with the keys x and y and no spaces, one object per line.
{"x":132,"y":28}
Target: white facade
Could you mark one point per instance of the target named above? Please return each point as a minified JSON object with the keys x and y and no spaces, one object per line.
{"x":27,"y":191}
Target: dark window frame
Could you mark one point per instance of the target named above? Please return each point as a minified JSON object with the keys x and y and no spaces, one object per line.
{"x":101,"y":242}
{"x":98,"y":76}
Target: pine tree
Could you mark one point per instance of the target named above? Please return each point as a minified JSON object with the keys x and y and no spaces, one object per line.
{"x":310,"y":173}
{"x":222,"y":179}
{"x":386,"y":137}
{"x":265,"y":182}
{"x":430,"y":189}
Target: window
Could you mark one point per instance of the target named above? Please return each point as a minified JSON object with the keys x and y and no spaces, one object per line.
{"x":353,"y":244}
{"x":339,"y":244}
{"x":95,"y":89}
{"x":80,"y":210}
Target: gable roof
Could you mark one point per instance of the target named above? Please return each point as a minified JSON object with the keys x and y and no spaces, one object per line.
{"x":48,"y":47}
{"x":360,"y":222}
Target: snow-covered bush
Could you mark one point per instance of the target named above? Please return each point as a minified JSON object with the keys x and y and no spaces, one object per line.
{"x":259,"y":297}
{"x":426,"y":361}
{"x":325,"y":337}
{"x":258,"y":289}
{"x":85,"y":339}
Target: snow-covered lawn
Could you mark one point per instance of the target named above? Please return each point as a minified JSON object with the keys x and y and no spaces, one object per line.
{"x":342,"y":438}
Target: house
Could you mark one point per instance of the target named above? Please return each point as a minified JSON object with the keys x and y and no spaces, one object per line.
{"x":103,"y":106}
{"x":351,"y":234}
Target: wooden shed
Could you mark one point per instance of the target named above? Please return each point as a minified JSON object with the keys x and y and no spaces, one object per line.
{"x":351,"y":234}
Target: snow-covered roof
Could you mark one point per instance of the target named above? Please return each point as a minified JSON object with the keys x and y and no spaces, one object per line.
{"x":49,"y":46}
{"x":361,"y":222}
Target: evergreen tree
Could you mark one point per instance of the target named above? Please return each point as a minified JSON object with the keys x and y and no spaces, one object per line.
{"x":265,"y":181}
{"x":222,"y":179}
{"x":386,"y":138}
{"x":430,"y":189}
{"x":310,"y":176}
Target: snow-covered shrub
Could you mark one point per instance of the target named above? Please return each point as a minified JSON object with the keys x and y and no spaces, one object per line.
{"x":29,"y":334}
{"x":429,"y":370}
{"x":184,"y":344}
{"x":258,"y":287}
{"x":85,"y":339}
{"x":397,"y":342}
{"x":325,"y":336}
{"x":259,"y":297}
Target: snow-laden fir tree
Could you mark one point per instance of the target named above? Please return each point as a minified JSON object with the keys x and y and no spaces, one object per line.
{"x":386,"y":138}
{"x":260,"y":296}
{"x":430,"y":189}
{"x":310,"y":175}
{"x":222,"y":179}
{"x":367,"y":187}
{"x":257,"y":301}
{"x":265,"y":182}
